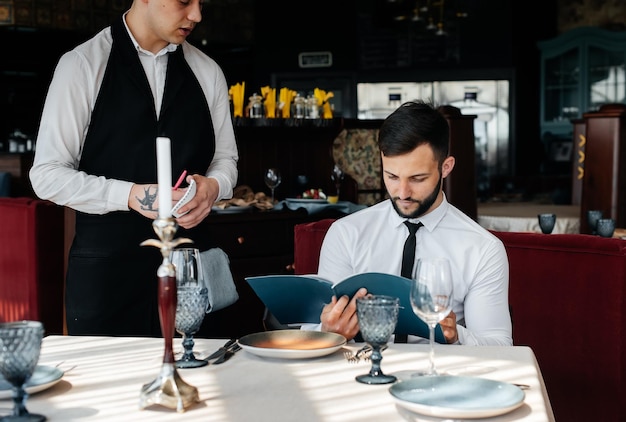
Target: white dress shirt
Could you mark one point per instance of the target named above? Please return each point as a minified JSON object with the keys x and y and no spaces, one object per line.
{"x":372,"y":240}
{"x":67,"y":112}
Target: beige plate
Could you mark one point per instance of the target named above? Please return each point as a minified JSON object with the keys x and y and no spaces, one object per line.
{"x":292,"y":344}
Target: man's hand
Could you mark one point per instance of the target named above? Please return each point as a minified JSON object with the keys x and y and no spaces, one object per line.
{"x":448,"y":325}
{"x":200,"y":206}
{"x":339,"y":316}
{"x":145,"y":200}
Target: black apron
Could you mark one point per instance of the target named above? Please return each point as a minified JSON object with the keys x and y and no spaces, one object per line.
{"x":111,"y":281}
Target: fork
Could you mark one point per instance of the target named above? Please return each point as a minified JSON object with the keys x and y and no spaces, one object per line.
{"x":355,"y":357}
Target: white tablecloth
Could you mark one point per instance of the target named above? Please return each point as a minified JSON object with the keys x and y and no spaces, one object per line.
{"x":522,"y":217}
{"x":107,"y":374}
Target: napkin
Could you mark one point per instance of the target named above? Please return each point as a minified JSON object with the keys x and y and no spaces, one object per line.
{"x":221,"y":286}
{"x":285,"y":98}
{"x":236,"y":93}
{"x":269,"y":97}
{"x":323,"y":98}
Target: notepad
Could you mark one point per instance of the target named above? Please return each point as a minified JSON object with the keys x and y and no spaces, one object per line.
{"x":191,"y":192}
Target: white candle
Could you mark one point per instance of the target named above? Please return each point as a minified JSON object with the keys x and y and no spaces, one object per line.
{"x":164,"y":173}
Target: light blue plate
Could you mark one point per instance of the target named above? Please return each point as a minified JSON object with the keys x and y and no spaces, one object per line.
{"x":457,"y":397}
{"x":43,"y":377}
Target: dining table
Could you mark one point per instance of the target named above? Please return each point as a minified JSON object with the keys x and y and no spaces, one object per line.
{"x":103,"y":377}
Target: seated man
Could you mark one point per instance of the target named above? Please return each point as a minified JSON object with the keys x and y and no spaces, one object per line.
{"x":413,"y":142}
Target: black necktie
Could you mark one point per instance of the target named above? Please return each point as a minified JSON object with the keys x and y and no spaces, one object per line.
{"x":408,"y":256}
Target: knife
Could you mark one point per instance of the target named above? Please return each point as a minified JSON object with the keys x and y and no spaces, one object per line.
{"x":222,"y":350}
{"x":227,"y":354}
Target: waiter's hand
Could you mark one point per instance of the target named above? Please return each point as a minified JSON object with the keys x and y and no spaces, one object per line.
{"x":199,"y":207}
{"x":339,"y":316}
{"x":448,"y":325}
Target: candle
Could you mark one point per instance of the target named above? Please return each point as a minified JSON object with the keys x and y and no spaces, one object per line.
{"x":164,"y":173}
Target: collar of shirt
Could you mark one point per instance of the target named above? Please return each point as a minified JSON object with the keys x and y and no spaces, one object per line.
{"x":429,"y":220}
{"x":167,"y":49}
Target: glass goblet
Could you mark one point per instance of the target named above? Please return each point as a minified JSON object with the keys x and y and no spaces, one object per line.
{"x":546,"y":222}
{"x":272,"y":179}
{"x":20,"y":345}
{"x":337,"y":177}
{"x":378,"y":316}
{"x":592,"y":219}
{"x":192,"y":302}
{"x":431,"y":297}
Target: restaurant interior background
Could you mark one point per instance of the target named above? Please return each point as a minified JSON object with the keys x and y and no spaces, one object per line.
{"x":371,"y":54}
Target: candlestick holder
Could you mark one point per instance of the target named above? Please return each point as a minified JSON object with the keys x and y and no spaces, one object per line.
{"x":168,"y":389}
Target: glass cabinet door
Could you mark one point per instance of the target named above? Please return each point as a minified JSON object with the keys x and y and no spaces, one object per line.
{"x":606,"y":80}
{"x":562,"y":87}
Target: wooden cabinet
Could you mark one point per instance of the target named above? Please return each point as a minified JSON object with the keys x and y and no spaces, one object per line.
{"x":581,"y":70}
{"x":604,"y":180}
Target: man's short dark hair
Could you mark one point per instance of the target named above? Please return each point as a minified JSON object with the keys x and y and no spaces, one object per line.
{"x":412,"y":124}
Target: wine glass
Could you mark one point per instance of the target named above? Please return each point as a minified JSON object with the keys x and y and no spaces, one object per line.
{"x":192,"y":302}
{"x":20,"y":345}
{"x":378,"y":316}
{"x":272,"y":179}
{"x":431,"y":297}
{"x":337,"y":177}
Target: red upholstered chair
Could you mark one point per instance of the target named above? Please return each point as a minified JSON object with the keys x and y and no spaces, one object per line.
{"x":567,"y":294}
{"x":31,"y":262}
{"x":307,"y":238}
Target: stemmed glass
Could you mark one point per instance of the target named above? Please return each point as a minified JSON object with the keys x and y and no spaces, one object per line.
{"x":20,"y":345}
{"x":192,"y":302}
{"x":272,"y":179}
{"x":431,"y":297}
{"x":378,"y":316}
{"x":337,"y":177}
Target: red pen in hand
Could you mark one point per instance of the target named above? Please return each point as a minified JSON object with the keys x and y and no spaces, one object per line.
{"x":180,"y":180}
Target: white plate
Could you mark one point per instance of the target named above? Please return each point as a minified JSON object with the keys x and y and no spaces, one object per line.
{"x":292,"y":344}
{"x":44,"y":377}
{"x":233,"y":209}
{"x":306,"y":201}
{"x":457,"y":397}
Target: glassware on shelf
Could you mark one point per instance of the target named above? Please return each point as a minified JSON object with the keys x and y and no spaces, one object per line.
{"x":256,"y":106}
{"x":272,"y":179}
{"x":337,"y":178}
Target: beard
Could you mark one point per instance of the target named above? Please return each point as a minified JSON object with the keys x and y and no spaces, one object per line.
{"x":424,"y":204}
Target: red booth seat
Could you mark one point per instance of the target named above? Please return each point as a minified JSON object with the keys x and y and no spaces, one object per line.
{"x":567,"y":294}
{"x":31,"y":262}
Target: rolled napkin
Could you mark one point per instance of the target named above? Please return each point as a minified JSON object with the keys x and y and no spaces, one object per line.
{"x":236,"y":93}
{"x":221,"y":286}
{"x":269,"y":98}
{"x":285,"y":98}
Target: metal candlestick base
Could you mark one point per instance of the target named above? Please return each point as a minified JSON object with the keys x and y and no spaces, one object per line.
{"x":168,"y":389}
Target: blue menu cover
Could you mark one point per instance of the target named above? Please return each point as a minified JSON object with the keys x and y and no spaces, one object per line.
{"x":296,"y":299}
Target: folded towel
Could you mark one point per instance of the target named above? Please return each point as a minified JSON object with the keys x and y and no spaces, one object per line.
{"x":216,"y":270}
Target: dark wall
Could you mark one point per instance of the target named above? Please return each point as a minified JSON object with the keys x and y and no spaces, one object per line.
{"x":252,"y":40}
